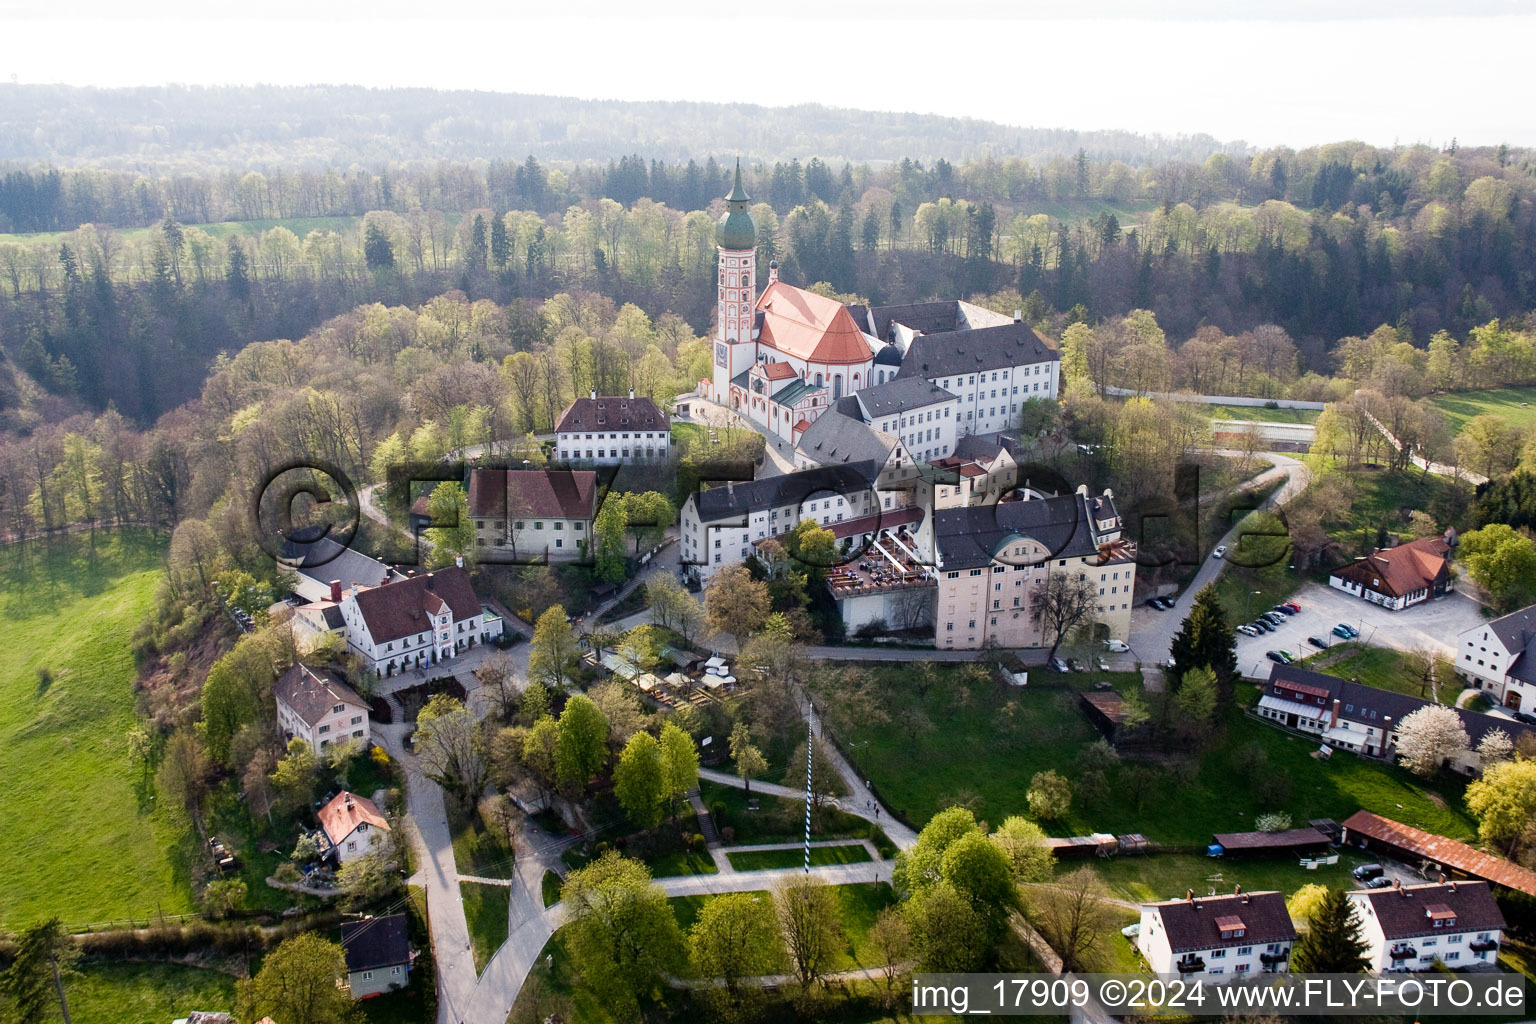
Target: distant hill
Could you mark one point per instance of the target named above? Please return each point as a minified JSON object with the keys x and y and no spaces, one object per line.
{"x":173,"y":128}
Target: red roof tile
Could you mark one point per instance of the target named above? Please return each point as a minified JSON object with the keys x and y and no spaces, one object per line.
{"x":809,"y":327}
{"x":611,"y":412}
{"x":400,"y":609}
{"x":779,"y":371}
{"x":1400,"y":570}
{"x":345,"y":812}
{"x":1444,"y":852}
{"x":549,"y":493}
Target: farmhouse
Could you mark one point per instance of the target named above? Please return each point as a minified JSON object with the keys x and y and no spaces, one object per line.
{"x":1399,"y":577}
{"x":1412,"y":927}
{"x":416,"y":622}
{"x":353,"y":826}
{"x":378,"y":953}
{"x":1216,"y":936}
{"x":612,"y":429}
{"x":319,"y":708}
{"x":1500,"y":657}
{"x":525,"y":516}
{"x":1431,"y":853}
{"x":1352,"y":716}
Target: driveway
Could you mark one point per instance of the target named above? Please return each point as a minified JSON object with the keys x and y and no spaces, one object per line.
{"x":1433,"y":625}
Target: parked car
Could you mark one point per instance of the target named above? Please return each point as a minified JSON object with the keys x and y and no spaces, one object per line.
{"x":1278,"y":657}
{"x":1342,"y":632}
{"x":1287,"y":655}
{"x":1285,"y":609}
{"x":1101,"y":664}
{"x":1155,"y":602}
{"x":1264,"y":624}
{"x":1366,"y":872}
{"x":1378,"y":883}
{"x":1274,"y":617}
{"x":1318,"y":642}
{"x":1058,"y":665}
{"x":1220,"y":552}
{"x":1104,"y":686}
{"x":1118,"y":646}
{"x":1349,"y":630}
{"x":1075,"y":665}
{"x":1524,"y":716}
{"x":1292,"y":605}
{"x":1247,"y":630}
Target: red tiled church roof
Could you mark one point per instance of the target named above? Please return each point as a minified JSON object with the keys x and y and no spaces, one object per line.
{"x":810,"y":327}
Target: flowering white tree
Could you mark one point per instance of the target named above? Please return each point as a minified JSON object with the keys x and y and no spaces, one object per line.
{"x":1429,"y":736}
{"x":1495,"y":746}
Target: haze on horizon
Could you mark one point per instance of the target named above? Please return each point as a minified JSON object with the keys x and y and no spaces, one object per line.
{"x":1267,"y":73}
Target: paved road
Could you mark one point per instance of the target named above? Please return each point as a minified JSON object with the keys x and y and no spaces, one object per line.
{"x":1152,"y":631}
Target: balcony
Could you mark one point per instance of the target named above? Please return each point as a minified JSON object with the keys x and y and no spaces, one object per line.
{"x":1271,"y":959}
{"x":1484,"y":946}
{"x":1402,"y":953}
{"x":1190,"y":963}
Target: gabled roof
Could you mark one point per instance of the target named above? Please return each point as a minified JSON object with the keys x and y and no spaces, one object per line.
{"x":1517,"y":632}
{"x":1411,"y":911}
{"x":986,"y":348}
{"x":969,"y":537}
{"x":835,"y":438}
{"x":312,"y":694}
{"x":735,"y":500}
{"x":809,"y":327}
{"x":1384,"y":709}
{"x":325,"y":559}
{"x":345,"y":812}
{"x":793,"y":394}
{"x":376,"y":942}
{"x":1402,"y":570}
{"x":1196,"y":924}
{"x":401,"y":609}
{"x":611,"y":412}
{"x":546,"y":493}
{"x":901,"y":395}
{"x":779,"y":371}
{"x":1442,"y":851}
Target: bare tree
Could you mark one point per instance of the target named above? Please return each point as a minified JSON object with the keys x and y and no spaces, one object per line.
{"x":1073,"y":915}
{"x":1065,"y":601}
{"x":497,"y":676}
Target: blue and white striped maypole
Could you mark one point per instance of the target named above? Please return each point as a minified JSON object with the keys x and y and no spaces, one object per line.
{"x":810,"y":741}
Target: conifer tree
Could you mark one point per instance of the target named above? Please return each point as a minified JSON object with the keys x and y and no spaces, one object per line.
{"x":1333,"y":943}
{"x":1206,"y":640}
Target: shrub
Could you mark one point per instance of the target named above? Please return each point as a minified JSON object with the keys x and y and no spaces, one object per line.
{"x":1277,"y":821}
{"x":698,"y":843}
{"x":727,"y":835}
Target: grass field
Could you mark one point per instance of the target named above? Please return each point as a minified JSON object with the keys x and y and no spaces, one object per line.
{"x":145,"y":993}
{"x":549,"y":886}
{"x":985,"y":747}
{"x":1168,"y":875}
{"x":1461,"y":406}
{"x":485,"y":911}
{"x":778,"y":820}
{"x":761,"y":860}
{"x":83,"y":836}
{"x":680,"y":862}
{"x":475,"y":850}
{"x":1385,"y":668}
{"x":1257,"y":413}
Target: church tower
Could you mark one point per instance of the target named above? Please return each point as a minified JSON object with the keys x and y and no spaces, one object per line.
{"x":736,"y":241}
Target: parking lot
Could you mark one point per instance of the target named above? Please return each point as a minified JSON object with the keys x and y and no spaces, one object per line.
{"x":1433,"y":624}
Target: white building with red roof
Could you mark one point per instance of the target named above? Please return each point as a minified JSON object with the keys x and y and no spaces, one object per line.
{"x":611,"y":430}
{"x":526,"y":516}
{"x":416,"y":622}
{"x":353,"y":825}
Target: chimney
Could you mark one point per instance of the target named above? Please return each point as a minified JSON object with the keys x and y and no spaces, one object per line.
{"x":431,"y":584}
{"x":1397,"y":884}
{"x":1018,"y":316}
{"x":336,"y":591}
{"x":1334,"y":719}
{"x":773,"y":271}
{"x":592,"y":394}
{"x":1189,"y":894}
{"x":1452,"y":885}
{"x":1237,"y":890}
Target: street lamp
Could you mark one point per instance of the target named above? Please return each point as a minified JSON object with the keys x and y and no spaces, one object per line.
{"x":1248,"y":603}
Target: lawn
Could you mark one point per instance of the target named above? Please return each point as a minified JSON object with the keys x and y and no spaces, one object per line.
{"x":84,"y":838}
{"x":1380,"y":498}
{"x":762,"y":860}
{"x":1169,"y":875}
{"x":549,"y":885}
{"x":1461,"y":406}
{"x":476,"y":851}
{"x":485,"y":912}
{"x":779,"y":820}
{"x":985,"y":746}
{"x":145,"y":993}
{"x":1257,"y":413}
{"x":680,"y":862}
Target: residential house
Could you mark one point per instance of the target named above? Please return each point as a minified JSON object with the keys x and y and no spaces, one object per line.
{"x":1217,"y":937}
{"x":1500,"y":656}
{"x":1429,"y":853}
{"x":1360,"y":718}
{"x":317,"y":621}
{"x":719,"y":526}
{"x":990,"y":560}
{"x":532,"y":515}
{"x":315,"y":706}
{"x":914,"y":409}
{"x":612,"y":429}
{"x":323,"y":566}
{"x":1413,"y":927}
{"x":978,"y":472}
{"x":378,"y":951}
{"x":838,"y":439}
{"x":991,"y":371}
{"x":353,"y":826}
{"x":1397,"y":578}
{"x":416,"y":622}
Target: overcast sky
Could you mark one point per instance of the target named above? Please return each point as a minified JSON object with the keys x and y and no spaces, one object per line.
{"x":1266,"y":72}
